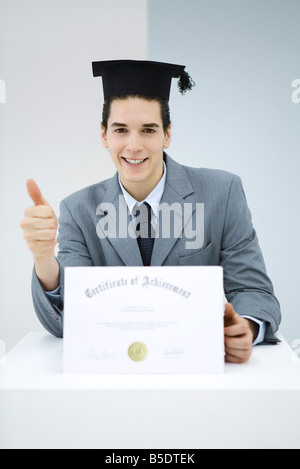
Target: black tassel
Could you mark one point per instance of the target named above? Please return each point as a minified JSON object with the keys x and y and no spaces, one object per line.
{"x":185,"y":83}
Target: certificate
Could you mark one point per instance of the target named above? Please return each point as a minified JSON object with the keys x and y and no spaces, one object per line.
{"x":144,"y":320}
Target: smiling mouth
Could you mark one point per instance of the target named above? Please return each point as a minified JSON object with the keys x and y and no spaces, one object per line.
{"x":134,"y":162}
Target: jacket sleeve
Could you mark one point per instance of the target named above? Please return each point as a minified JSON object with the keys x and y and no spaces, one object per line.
{"x":247,"y":285}
{"x":50,"y":315}
{"x":73,"y":251}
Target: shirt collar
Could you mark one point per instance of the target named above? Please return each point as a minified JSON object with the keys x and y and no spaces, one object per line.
{"x":153,"y":199}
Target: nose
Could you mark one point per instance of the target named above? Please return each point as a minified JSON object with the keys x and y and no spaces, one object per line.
{"x":134,"y":143}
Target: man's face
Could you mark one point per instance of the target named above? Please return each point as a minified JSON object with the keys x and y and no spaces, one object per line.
{"x":136,"y":140}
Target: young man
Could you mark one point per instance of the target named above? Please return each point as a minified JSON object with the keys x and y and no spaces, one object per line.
{"x":136,"y":130}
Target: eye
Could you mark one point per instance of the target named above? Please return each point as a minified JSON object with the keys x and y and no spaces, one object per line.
{"x":120,"y":131}
{"x":149,"y":131}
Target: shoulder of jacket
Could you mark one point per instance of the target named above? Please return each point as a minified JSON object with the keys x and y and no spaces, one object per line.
{"x":210,"y":176}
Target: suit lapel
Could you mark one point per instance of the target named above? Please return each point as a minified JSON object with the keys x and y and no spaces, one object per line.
{"x":177,"y":190}
{"x":115,"y":225}
{"x":115,"y":211}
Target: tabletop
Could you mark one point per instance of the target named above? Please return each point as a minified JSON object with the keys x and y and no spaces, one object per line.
{"x":254,"y":405}
{"x":37,"y":362}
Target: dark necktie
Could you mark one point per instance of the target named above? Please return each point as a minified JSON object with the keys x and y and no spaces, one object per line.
{"x":145,"y":235}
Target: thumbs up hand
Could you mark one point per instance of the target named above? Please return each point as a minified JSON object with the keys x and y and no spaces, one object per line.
{"x":39,"y":224}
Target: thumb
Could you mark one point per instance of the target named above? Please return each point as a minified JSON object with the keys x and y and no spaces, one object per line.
{"x":229,"y":318}
{"x":35,"y":193}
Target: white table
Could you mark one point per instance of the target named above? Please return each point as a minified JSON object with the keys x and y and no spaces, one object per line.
{"x":256,"y":405}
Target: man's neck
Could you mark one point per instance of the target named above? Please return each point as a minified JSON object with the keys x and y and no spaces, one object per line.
{"x":140,"y":191}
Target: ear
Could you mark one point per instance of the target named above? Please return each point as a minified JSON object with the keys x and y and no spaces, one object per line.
{"x":167,"y":140}
{"x":104,"y":137}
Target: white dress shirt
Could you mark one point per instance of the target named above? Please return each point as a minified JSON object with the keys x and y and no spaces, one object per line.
{"x":153,"y":199}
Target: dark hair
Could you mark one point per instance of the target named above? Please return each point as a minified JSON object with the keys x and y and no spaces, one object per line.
{"x":164,"y":105}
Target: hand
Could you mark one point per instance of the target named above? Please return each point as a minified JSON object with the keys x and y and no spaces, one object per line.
{"x":40,"y":227}
{"x":240,"y":334}
{"x":39,"y":224}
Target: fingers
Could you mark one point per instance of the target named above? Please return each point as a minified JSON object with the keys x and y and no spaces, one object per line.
{"x":239,"y":329}
{"x":238,"y":343}
{"x":39,"y":219}
{"x":40,"y":235}
{"x":35,"y":193}
{"x":239,"y":358}
{"x":238,"y":350}
{"x":238,"y":337}
{"x":39,"y":211}
{"x":41,"y":222}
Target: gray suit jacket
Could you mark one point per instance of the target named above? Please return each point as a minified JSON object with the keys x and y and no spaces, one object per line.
{"x":229,"y":240}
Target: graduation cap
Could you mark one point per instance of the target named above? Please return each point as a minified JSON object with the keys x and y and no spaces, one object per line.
{"x":133,"y":77}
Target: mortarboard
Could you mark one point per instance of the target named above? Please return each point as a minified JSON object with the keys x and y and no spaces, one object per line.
{"x":125,"y":77}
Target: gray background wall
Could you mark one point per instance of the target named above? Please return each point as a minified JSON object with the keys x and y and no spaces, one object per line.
{"x":244,"y":57}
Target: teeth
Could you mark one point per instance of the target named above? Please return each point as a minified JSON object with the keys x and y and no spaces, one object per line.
{"x":134,"y":162}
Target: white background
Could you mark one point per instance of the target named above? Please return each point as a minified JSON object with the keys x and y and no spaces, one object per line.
{"x":50,"y":124}
{"x":243,"y":55}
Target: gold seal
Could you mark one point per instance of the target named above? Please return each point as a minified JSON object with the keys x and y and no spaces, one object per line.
{"x":138,"y":352}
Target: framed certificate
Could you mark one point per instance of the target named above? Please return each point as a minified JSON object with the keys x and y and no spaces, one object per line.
{"x":144,"y":320}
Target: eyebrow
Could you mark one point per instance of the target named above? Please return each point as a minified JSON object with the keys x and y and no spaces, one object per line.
{"x":118,"y":124}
